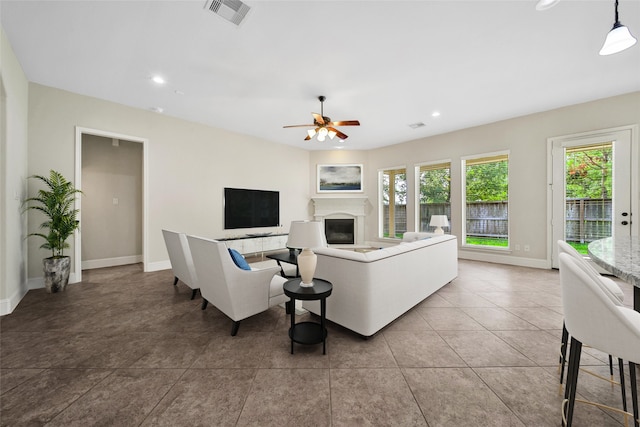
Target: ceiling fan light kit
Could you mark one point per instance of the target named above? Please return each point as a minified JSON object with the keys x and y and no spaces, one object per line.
{"x":323,"y":126}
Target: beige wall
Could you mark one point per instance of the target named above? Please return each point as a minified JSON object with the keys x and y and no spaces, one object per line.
{"x":525,"y":138}
{"x":188,"y":165}
{"x":111,"y":172}
{"x":14,"y":89}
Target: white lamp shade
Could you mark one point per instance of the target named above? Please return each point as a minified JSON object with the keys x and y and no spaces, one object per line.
{"x":618,"y":39}
{"x":306,"y":235}
{"x":439,"y":221}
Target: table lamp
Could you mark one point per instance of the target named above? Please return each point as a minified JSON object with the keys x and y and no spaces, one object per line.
{"x":439,"y":221}
{"x":306,"y":235}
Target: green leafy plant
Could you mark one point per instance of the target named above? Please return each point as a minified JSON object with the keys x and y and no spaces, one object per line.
{"x":57,"y":203}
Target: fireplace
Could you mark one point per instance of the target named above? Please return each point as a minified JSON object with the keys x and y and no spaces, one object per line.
{"x":352,"y":209}
{"x":339,"y":231}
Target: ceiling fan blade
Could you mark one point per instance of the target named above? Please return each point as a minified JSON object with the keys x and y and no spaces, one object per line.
{"x":299,"y":126}
{"x":346,"y":123}
{"x":338,"y":133}
{"x":318,"y":118}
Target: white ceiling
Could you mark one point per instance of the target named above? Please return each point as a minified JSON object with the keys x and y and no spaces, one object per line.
{"x":386,"y":63}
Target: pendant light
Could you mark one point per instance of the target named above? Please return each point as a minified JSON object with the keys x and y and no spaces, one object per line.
{"x":546,"y":4}
{"x":618,"y":39}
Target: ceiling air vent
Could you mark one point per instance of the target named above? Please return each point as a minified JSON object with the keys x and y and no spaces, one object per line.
{"x":233,"y":11}
{"x":416,"y":125}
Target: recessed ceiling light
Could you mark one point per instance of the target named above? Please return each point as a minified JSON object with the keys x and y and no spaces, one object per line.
{"x":157,"y":109}
{"x":416,"y":125}
{"x":158,"y":80}
{"x":435,"y":114}
{"x":179,"y":92}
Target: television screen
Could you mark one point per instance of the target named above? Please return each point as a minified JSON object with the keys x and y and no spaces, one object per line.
{"x":251,"y":208}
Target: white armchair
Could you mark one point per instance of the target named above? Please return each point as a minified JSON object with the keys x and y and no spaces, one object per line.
{"x":181,"y":261}
{"x":236,"y":292}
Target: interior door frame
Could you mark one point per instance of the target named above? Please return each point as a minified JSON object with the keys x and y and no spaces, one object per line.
{"x":634,"y":184}
{"x":77,"y":273}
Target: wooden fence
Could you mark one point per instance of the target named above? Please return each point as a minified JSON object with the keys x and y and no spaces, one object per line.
{"x":586,"y":219}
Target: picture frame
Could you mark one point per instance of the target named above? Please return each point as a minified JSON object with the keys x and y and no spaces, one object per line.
{"x":340,"y":178}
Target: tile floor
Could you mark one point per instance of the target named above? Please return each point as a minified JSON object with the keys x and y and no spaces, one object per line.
{"x":126,"y":348}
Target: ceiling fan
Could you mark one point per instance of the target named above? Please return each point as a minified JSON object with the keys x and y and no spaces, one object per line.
{"x":324,"y":126}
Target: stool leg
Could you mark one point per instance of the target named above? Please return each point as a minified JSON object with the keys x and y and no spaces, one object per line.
{"x":572,"y":378}
{"x":563,"y":351}
{"x":622,"y":384}
{"x":634,"y":393}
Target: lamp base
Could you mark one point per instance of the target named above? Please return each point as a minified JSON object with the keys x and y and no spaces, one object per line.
{"x":307,"y":261}
{"x":438,"y":230}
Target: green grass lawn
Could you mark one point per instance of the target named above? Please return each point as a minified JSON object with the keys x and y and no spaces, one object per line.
{"x":487,"y":241}
{"x":580,"y":247}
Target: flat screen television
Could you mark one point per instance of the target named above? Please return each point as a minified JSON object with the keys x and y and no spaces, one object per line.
{"x":245,"y":208}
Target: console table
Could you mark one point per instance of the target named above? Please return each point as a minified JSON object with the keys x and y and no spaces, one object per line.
{"x":308,"y":332}
{"x":290,"y":257}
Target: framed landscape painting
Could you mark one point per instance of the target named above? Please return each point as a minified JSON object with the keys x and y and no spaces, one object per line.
{"x":340,"y":178}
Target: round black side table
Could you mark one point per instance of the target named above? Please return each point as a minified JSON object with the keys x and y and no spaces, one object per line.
{"x":308,"y":332}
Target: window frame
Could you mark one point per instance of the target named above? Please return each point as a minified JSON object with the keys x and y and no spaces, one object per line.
{"x":416,"y":197}
{"x":381,"y":172}
{"x":463,"y":188}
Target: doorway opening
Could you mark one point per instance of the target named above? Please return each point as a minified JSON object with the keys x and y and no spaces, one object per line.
{"x":591,"y":180}
{"x":114,"y":167}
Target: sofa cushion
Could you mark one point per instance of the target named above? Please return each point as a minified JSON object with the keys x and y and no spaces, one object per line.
{"x":239,"y":260}
{"x":412,"y":236}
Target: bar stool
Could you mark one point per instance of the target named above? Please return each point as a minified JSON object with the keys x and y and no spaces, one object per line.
{"x":612,"y":290}
{"x":592,"y":318}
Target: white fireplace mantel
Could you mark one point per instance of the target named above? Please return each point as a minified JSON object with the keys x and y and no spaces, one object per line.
{"x":340,"y":207}
{"x":324,"y":206}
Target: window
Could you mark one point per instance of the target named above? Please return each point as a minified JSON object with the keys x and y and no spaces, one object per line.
{"x":393,"y":202}
{"x":588,"y":194}
{"x":486,"y":200}
{"x":434,"y":193}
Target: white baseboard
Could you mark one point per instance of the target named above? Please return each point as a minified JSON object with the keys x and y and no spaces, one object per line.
{"x":38,"y":282}
{"x":111,"y":262}
{"x":504,"y":259}
{"x":35,"y":283}
{"x":158,"y":266}
{"x":9,"y":304}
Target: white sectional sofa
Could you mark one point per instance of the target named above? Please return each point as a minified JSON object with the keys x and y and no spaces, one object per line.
{"x":372,"y":289}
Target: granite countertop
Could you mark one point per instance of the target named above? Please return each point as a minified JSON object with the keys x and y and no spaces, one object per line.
{"x":620,"y":256}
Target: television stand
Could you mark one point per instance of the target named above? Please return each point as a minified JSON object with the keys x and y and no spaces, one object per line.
{"x":256,"y":244}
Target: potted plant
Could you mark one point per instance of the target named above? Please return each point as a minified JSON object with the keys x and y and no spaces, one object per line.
{"x":57,"y":203}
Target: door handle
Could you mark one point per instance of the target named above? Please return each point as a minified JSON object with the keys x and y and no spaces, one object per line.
{"x":624,"y":214}
{"x":624,"y":222}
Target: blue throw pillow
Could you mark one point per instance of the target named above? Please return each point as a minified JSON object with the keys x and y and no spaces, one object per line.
{"x":239,"y":260}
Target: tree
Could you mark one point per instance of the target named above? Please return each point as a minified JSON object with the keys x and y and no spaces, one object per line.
{"x":487,"y":182}
{"x":435,"y":186}
{"x":589,"y":173}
